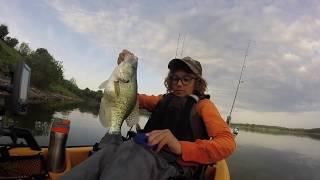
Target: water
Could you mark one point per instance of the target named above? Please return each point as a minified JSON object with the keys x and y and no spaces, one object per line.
{"x":85,"y":128}
{"x":258,"y":156}
{"x":267,"y":156}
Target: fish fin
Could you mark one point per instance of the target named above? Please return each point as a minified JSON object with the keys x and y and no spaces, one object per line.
{"x":116,"y":88}
{"x":103,"y":84}
{"x":133,"y":117}
{"x":104,"y":114}
{"x":138,"y":127}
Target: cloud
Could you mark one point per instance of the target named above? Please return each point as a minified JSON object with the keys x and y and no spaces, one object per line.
{"x":282,"y":71}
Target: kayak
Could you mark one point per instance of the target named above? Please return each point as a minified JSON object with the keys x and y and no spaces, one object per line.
{"x":75,"y":155}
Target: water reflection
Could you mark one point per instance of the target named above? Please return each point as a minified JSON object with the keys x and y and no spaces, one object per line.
{"x":266,"y":156}
{"x":303,"y":145}
{"x":40,"y":116}
{"x":41,"y":128}
{"x":85,"y":128}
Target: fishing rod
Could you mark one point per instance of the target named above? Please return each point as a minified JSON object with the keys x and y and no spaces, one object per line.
{"x":240,"y":81}
{"x":177,"y":46}
{"x":182,"y":38}
{"x":182,"y":46}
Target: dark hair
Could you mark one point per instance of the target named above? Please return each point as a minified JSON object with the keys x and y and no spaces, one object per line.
{"x":199,"y":88}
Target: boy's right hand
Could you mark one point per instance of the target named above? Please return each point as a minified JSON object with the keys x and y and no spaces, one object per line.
{"x":124,"y":55}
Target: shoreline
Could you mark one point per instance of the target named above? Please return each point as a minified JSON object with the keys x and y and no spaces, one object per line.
{"x":36,"y":96}
{"x":276,"y":129}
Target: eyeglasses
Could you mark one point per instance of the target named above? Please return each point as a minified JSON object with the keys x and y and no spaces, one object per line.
{"x":186,"y":80}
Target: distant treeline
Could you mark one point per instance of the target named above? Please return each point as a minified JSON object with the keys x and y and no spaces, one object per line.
{"x":47,"y":72}
{"x":314,"y":133}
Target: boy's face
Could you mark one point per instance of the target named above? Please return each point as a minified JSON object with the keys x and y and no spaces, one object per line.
{"x":182,"y":83}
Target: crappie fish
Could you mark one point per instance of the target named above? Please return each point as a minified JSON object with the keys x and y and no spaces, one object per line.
{"x":119,"y":101}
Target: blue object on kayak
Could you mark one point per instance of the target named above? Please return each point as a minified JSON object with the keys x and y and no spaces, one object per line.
{"x":142,"y":138}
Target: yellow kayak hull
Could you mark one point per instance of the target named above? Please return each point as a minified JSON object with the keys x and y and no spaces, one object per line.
{"x":75,"y":155}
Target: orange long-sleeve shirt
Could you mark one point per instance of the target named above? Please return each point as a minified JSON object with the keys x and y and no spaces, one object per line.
{"x":202,"y":151}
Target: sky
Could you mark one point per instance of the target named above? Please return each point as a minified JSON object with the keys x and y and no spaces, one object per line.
{"x":281,"y":79}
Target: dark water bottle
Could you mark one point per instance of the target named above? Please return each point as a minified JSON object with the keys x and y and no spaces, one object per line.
{"x":57,"y":145}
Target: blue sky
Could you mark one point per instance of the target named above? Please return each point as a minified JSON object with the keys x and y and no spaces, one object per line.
{"x":281,"y":80}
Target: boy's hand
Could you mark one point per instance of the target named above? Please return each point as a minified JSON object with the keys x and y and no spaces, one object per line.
{"x":124,"y":55}
{"x":162,"y":138}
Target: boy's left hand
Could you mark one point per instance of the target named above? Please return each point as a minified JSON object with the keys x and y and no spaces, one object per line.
{"x":162,"y":138}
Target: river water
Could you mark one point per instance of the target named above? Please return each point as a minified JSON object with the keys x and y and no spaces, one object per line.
{"x":258,"y":156}
{"x":267,"y":156}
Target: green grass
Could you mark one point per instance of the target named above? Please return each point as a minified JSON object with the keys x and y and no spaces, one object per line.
{"x":8,"y":55}
{"x":57,"y":88}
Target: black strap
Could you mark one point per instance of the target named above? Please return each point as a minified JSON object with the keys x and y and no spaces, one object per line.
{"x":4,"y":153}
{"x":158,"y":114}
{"x":183,"y":127}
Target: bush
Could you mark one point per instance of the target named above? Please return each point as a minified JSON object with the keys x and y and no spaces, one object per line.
{"x":60,"y":89}
{"x":3,"y":31}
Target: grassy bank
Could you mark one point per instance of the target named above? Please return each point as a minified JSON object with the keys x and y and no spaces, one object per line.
{"x":47,"y":79}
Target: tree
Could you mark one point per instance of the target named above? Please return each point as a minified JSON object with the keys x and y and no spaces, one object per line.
{"x":3,"y":31}
{"x":73,"y":81}
{"x":46,"y":70}
{"x":44,"y":52}
{"x":24,"y":49}
{"x":12,"y":42}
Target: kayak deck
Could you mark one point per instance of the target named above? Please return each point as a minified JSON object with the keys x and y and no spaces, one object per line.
{"x":75,"y":155}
